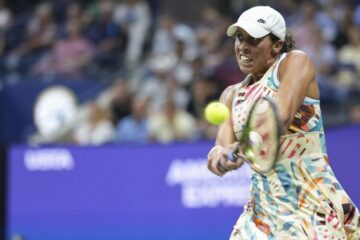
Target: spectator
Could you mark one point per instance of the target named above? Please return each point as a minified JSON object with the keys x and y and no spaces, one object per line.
{"x":303,"y":29}
{"x":97,"y":130}
{"x":134,"y":128}
{"x":203,"y":90}
{"x":162,"y":83}
{"x":171,"y":124}
{"x":167,"y":32}
{"x":349,"y":55}
{"x":357,"y":15}
{"x":107,"y":36}
{"x":134,"y":17}
{"x":39,"y":39}
{"x":119,"y":98}
{"x":70,"y":56}
{"x":349,"y":62}
{"x":210,"y":33}
{"x":6,"y":19}
{"x":324,"y":57}
{"x":5,"y":23}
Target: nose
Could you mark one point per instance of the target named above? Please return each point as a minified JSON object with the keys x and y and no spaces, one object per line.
{"x":242,"y":46}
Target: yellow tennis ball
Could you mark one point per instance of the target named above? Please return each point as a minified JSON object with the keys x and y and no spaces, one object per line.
{"x":216,"y":113}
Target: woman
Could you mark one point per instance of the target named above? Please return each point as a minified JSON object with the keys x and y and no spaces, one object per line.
{"x":300,"y":198}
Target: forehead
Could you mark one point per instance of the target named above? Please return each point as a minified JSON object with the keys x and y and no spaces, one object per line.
{"x":241,"y":31}
{"x":248,"y":38}
{"x":245,"y":34}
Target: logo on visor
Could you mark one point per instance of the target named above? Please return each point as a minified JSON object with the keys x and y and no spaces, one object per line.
{"x":260,"y":20}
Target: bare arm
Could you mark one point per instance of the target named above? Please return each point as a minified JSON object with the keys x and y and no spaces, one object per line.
{"x":225,"y":135}
{"x":297,"y":80}
{"x":225,"y":141}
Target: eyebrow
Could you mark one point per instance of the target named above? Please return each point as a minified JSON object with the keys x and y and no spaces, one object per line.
{"x":247,"y":37}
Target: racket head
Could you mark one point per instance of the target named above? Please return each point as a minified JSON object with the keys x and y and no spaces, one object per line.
{"x":261,"y":135}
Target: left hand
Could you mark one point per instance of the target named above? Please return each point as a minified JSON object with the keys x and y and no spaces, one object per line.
{"x":219,"y":164}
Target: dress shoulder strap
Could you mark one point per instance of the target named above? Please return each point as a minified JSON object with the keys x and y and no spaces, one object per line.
{"x":273,"y":81}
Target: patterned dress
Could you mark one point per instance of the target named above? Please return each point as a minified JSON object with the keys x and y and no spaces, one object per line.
{"x":300,"y":198}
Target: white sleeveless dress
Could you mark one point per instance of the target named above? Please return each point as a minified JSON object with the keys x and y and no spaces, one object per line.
{"x":300,"y":198}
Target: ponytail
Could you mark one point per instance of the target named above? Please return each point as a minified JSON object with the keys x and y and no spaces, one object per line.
{"x":289,"y":43}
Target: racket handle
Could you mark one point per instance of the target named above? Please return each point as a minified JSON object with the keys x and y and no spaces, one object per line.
{"x":233,"y":155}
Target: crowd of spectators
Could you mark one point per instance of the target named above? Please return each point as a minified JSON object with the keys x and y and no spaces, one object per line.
{"x":165,"y":70}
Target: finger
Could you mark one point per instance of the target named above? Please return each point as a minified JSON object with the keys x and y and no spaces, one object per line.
{"x":209,"y":163}
{"x":215,"y":167}
{"x":221,"y":167}
{"x":232,"y":165}
{"x":210,"y":166}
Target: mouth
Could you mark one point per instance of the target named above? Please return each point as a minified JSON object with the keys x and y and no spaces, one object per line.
{"x":245,"y":59}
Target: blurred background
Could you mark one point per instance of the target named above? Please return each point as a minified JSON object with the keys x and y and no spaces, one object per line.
{"x":101,"y":112}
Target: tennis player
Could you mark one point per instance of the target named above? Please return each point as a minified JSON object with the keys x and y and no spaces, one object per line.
{"x":300,"y":198}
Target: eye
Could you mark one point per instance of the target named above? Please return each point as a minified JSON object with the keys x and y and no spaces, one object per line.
{"x":239,"y":37}
{"x":254,"y":41}
{"x":248,"y":39}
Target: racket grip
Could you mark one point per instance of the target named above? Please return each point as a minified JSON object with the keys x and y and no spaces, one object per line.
{"x":233,"y":155}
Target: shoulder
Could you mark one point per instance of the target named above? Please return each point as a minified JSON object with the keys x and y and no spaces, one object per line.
{"x":228,"y":94}
{"x":296,"y":56}
{"x":296,"y":61}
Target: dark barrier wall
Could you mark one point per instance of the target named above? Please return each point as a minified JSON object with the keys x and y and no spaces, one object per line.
{"x":139,"y":192}
{"x":3,"y":185}
{"x":17,"y":104}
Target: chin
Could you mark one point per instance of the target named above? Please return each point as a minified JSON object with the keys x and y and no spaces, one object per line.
{"x":244,"y":70}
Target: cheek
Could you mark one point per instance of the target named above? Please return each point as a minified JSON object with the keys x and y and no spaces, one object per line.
{"x":236,"y":45}
{"x":263,"y":53}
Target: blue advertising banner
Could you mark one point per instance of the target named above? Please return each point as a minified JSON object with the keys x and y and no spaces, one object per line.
{"x":144,"y":192}
{"x":139,"y":192}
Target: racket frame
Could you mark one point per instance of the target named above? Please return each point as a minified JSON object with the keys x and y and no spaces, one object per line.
{"x":245,"y":139}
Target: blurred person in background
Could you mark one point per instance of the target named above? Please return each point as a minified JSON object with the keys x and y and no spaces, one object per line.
{"x":167,"y":31}
{"x":6,"y":21}
{"x":171,"y":124}
{"x":134,"y":128}
{"x":161,"y":83}
{"x":6,"y":18}
{"x":210,"y":37}
{"x":97,"y":130}
{"x":306,"y":25}
{"x":300,"y":197}
{"x":349,"y":59}
{"x":70,"y":56}
{"x":290,"y":11}
{"x":202,"y":91}
{"x":182,"y":69}
{"x":349,"y":54}
{"x":357,"y":14}
{"x":72,"y":10}
{"x":108,"y":37}
{"x":134,"y":16}
{"x":226,"y":71}
{"x":119,"y":98}
{"x":345,"y":19}
{"x":324,"y":56}
{"x":348,"y":75}
{"x":40,"y":36}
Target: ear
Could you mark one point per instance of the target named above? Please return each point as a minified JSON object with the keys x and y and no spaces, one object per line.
{"x":277,"y":47}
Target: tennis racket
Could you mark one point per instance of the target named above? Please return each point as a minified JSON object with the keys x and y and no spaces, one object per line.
{"x":260,"y":139}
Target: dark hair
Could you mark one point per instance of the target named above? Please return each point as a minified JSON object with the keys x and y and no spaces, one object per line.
{"x":289,"y":43}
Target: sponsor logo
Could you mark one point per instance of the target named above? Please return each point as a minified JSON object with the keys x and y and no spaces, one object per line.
{"x":201,"y":188}
{"x":53,"y":159}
